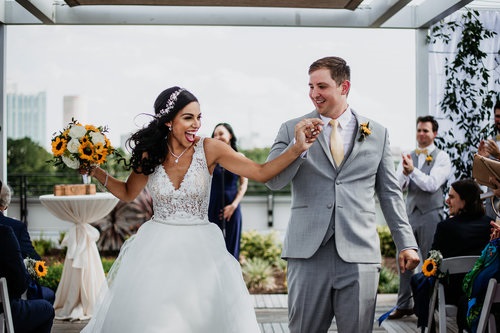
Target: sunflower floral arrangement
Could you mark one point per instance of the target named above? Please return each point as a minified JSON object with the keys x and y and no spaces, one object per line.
{"x":81,"y":146}
{"x":364,"y":130}
{"x":430,"y":268}
{"x":35,"y":268}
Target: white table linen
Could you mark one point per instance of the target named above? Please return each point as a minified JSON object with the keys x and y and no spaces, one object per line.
{"x":82,"y":276}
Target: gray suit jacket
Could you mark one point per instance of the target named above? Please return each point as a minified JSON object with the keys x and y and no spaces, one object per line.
{"x":320,"y":192}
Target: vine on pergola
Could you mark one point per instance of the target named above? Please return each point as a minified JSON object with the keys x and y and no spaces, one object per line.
{"x":467,"y":102}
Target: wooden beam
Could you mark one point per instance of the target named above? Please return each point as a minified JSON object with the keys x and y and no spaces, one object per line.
{"x":328,"y":4}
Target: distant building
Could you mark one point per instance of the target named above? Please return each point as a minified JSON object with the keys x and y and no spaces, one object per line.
{"x":26,"y":116}
{"x":74,"y":107}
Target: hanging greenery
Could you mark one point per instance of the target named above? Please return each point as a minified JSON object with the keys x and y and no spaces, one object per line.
{"x":467,"y":102}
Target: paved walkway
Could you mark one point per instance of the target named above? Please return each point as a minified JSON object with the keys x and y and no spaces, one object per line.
{"x":271,"y":311}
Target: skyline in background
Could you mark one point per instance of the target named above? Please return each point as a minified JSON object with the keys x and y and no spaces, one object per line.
{"x":251,"y":77}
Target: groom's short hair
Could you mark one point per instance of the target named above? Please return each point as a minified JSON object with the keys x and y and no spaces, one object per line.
{"x":339,"y":70}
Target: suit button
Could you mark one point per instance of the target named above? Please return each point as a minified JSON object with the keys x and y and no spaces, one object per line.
{"x":338,"y":182}
{"x":329,"y":206}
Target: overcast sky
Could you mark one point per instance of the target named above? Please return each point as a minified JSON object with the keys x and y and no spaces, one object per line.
{"x":251,"y":77}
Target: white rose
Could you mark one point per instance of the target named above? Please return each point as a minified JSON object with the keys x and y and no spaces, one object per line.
{"x":97,"y":137}
{"x":77,"y":131}
{"x":71,"y":162}
{"x":73,"y":146}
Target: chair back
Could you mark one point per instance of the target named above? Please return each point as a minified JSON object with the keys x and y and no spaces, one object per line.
{"x":457,"y":265}
{"x":6,"y":317}
{"x":487,"y":319}
{"x":452,"y":265}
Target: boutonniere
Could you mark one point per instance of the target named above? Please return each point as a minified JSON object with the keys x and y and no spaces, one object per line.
{"x":364,"y":131}
{"x":428,"y":159}
{"x":35,"y":268}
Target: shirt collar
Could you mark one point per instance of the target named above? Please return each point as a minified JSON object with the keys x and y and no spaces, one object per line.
{"x":343,"y":120}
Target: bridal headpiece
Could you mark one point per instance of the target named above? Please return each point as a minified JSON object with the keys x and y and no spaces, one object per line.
{"x":170,"y":103}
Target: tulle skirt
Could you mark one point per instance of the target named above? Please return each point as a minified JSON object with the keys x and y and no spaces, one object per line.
{"x":175,"y":278}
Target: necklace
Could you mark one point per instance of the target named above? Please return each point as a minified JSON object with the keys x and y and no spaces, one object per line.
{"x":178,"y":156}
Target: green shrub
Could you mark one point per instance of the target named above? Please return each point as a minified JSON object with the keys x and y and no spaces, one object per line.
{"x":387,"y":246}
{"x":258,"y":274}
{"x":53,"y":276}
{"x":388,"y":282}
{"x":260,"y":245}
{"x":107,"y":263}
{"x":42,"y":246}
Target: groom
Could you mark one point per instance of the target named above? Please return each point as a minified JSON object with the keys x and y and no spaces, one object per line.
{"x":331,"y":245}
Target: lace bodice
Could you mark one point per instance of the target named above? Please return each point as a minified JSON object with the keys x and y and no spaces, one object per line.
{"x":190,"y":201}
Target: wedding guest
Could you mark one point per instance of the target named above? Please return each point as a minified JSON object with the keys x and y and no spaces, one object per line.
{"x":35,"y":290}
{"x":490,"y":148}
{"x":466,"y":232}
{"x":31,"y":315}
{"x":175,"y":274}
{"x":225,"y":196}
{"x":331,"y":244}
{"x":423,"y":173}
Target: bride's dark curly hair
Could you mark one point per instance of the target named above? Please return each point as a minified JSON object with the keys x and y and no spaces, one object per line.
{"x":152,"y":139}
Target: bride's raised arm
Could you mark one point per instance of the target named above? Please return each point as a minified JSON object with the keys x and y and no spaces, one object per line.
{"x":306,"y":133}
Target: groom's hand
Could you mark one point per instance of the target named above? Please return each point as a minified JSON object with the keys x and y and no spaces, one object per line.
{"x":408,"y":260}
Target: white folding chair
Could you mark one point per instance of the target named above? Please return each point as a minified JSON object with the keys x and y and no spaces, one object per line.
{"x":487,"y":319}
{"x":6,"y":316}
{"x":453,"y":265}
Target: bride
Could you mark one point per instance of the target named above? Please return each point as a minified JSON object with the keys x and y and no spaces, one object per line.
{"x":175,"y":275}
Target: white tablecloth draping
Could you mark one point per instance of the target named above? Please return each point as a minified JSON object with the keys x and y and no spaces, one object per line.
{"x":82,"y":276}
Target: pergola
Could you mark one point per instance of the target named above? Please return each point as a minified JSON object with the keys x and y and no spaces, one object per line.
{"x":399,"y":14}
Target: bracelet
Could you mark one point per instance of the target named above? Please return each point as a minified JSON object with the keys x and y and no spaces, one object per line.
{"x":106,"y":181}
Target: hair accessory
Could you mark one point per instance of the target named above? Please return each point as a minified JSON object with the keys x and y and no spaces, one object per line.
{"x":170,"y":103}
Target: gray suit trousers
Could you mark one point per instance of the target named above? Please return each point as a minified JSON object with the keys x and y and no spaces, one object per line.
{"x":324,"y":286}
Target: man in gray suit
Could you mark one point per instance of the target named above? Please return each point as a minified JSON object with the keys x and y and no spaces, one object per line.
{"x":422,"y":173}
{"x":331,"y":245}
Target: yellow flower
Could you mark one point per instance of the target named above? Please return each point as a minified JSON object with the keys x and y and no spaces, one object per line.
{"x":91,"y":128}
{"x":364,"y":130}
{"x":429,"y":268}
{"x":428,"y":159}
{"x":40,"y":269}
{"x":86,"y":151}
{"x":58,"y":146}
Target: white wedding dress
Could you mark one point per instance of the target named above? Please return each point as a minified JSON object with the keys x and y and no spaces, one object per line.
{"x":175,"y":275}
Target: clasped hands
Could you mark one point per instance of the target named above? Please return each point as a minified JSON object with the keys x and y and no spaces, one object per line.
{"x":307,"y":131}
{"x":488,"y":148}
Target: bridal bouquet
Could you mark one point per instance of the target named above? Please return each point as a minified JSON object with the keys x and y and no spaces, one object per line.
{"x":81,"y":146}
{"x":35,"y":268}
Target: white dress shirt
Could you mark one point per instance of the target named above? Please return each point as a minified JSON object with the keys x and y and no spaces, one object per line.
{"x":346,"y":128}
{"x":440,"y":172}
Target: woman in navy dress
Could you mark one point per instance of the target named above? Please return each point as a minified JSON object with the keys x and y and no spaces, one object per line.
{"x":227,"y":191}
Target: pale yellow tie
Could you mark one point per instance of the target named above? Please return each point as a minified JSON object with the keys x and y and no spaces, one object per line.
{"x":336,"y":143}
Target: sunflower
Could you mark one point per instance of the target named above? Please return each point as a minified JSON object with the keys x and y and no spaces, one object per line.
{"x":91,"y":128}
{"x":58,"y":146}
{"x":86,"y":151}
{"x":428,"y":159}
{"x":41,"y":269}
{"x":100,"y":153}
{"x":429,"y":268}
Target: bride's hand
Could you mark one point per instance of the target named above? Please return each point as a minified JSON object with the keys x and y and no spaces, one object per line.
{"x":306,"y":132}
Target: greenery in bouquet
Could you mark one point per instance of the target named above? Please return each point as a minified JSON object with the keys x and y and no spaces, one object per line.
{"x":81,"y":146}
{"x":431,"y":265}
{"x":35,"y":268}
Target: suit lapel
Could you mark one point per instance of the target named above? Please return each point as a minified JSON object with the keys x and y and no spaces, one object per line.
{"x":356,"y":145}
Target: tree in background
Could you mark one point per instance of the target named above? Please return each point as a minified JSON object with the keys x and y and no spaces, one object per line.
{"x":467,"y":101}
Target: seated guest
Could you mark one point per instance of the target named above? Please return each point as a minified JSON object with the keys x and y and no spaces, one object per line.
{"x":35,"y":291}
{"x":36,"y":315}
{"x":466,"y":232}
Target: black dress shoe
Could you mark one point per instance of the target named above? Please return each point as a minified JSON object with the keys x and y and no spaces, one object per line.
{"x":400,"y":313}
